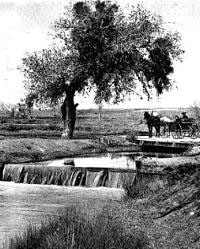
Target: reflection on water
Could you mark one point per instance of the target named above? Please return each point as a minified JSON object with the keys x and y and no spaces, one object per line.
{"x":23,"y":204}
{"x":100,"y":161}
{"x":110,"y":160}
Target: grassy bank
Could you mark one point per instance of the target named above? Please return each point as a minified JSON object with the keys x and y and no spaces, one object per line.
{"x":106,"y":230}
{"x":169,"y":209}
{"x":31,"y":150}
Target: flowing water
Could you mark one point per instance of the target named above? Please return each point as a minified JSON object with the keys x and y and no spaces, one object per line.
{"x":38,"y":197}
{"x":106,"y":170}
{"x":102,"y":170}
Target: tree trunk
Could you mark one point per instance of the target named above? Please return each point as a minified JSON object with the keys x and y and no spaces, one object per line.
{"x":68,"y":109}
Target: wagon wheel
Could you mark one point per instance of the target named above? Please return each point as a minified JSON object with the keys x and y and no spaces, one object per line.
{"x":176,"y":130}
{"x":194,"y":131}
{"x":187,"y":129}
{"x":164,"y":130}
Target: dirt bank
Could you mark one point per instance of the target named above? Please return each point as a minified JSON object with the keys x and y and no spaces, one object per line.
{"x":26,"y":150}
{"x":169,"y":164}
{"x":170,"y":214}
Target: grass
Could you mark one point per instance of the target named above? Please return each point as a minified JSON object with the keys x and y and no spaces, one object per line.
{"x":168,"y":210}
{"x":88,"y":124}
{"x":142,"y":186}
{"x":76,"y":230}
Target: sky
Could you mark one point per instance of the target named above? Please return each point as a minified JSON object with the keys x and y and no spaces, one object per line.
{"x":24,"y":27}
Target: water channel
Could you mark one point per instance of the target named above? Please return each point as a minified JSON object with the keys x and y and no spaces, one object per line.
{"x":90,"y":171}
{"x":24,"y":203}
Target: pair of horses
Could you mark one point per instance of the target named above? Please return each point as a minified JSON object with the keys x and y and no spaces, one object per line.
{"x":152,"y":122}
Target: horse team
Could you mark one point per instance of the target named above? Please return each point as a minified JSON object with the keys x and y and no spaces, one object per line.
{"x":154,"y":121}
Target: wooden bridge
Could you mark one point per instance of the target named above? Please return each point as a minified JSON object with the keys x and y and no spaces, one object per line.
{"x":166,"y":144}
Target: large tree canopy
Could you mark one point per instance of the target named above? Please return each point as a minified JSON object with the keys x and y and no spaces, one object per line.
{"x":103,"y":49}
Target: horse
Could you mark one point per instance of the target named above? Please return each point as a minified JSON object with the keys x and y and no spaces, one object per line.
{"x":152,"y":121}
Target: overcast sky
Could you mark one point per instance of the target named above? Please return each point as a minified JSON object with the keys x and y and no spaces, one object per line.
{"x":24,"y":27}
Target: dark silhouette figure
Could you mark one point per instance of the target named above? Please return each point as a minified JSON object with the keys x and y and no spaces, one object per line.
{"x":152,"y":121}
{"x":64,"y":111}
{"x":29,"y":101}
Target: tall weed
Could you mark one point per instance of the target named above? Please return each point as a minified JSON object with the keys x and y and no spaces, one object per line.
{"x":76,"y":230}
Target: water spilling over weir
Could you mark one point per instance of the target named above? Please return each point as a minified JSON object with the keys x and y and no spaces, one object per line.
{"x":107,"y":170}
{"x":26,"y":203}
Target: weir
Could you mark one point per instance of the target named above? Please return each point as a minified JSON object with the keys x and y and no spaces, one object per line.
{"x":109,"y":170}
{"x":66,"y":176}
{"x":105,"y":170}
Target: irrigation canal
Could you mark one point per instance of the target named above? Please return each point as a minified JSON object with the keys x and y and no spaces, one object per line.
{"x":24,"y":204}
{"x":34,"y":199}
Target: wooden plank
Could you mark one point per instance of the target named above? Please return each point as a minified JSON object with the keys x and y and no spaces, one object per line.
{"x":165,"y":144}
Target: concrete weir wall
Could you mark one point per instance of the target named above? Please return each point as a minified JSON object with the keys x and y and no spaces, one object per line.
{"x":35,"y":174}
{"x":66,"y":175}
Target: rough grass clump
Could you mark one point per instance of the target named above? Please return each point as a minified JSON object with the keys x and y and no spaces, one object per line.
{"x":76,"y":230}
{"x":142,"y":186}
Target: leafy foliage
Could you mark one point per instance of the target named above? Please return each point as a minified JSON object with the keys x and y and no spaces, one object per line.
{"x":105,"y":50}
{"x":45,"y":73}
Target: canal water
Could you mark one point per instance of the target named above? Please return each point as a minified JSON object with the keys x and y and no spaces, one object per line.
{"x":22,"y":204}
{"x":109,"y":160}
{"x":124,"y":160}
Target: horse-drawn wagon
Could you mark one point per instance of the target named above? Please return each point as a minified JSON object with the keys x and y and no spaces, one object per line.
{"x":178,"y":128}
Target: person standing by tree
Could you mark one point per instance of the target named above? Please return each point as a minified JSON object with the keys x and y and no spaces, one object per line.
{"x":105,"y":50}
{"x":29,"y":101}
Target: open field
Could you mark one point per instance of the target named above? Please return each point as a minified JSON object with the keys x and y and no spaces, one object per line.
{"x":48,"y":124}
{"x":39,"y":138}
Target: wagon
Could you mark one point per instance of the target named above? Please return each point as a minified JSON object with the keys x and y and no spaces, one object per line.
{"x":180,"y":128}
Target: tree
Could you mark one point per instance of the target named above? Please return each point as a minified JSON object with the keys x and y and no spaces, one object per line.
{"x":105,"y":50}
